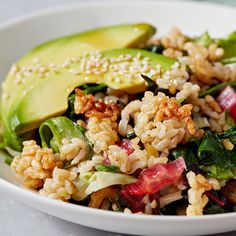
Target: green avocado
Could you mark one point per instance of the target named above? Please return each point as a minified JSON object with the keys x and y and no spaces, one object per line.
{"x":34,"y":67}
{"x":50,"y":96}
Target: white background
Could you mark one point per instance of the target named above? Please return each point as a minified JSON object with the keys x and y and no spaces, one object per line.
{"x":17,"y":219}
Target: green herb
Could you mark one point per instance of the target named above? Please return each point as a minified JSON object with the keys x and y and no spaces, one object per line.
{"x":181,"y":100}
{"x":216,"y":172}
{"x":107,"y":168}
{"x":215,"y":89}
{"x":130,"y":135}
{"x":81,"y":129}
{"x":230,"y":60}
{"x":152,"y":86}
{"x":204,"y":40}
{"x":89,"y":88}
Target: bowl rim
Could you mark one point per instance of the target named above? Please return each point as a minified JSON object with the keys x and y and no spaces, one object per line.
{"x":5,"y":184}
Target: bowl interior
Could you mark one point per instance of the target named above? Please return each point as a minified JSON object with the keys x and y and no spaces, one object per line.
{"x":19,"y":36}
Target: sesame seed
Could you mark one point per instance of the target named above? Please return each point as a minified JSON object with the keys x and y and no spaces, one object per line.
{"x":35,"y":60}
{"x":5,"y":95}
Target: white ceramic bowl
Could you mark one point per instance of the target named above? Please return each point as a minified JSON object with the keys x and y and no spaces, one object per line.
{"x":18,"y":36}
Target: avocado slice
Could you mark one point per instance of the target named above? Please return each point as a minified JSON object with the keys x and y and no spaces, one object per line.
{"x":49,"y":97}
{"x":55,"y":52}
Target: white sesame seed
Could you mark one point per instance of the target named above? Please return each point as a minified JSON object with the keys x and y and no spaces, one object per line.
{"x":5,"y":95}
{"x":35,"y":60}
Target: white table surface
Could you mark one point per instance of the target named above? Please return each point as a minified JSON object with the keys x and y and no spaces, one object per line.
{"x":17,"y":219}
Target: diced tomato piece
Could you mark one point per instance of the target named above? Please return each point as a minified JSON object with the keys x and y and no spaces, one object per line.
{"x":153,"y":179}
{"x":227,"y":100}
{"x":126,"y":145}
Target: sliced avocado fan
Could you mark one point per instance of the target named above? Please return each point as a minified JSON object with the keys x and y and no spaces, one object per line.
{"x":37,"y":87}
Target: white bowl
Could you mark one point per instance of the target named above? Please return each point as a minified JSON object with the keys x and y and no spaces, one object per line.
{"x":18,"y":36}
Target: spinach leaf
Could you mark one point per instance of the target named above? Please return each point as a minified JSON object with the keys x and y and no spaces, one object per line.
{"x":188,"y":152}
{"x":214,"y":152}
{"x":91,"y":88}
{"x":229,"y":45}
{"x":217,"y":172}
{"x":54,"y":130}
{"x":213,"y":90}
{"x":107,"y":168}
{"x":71,"y":111}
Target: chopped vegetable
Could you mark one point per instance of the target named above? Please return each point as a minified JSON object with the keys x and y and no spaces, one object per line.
{"x":227,"y":101}
{"x":89,"y":88}
{"x":153,"y":179}
{"x":54,"y":130}
{"x":213,"y":90}
{"x":107,"y":168}
{"x":90,"y":182}
{"x":130,"y":136}
{"x":98,"y":197}
{"x":126,"y":145}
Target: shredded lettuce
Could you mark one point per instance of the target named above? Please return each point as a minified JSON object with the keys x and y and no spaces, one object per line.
{"x":90,"y":182}
{"x":54,"y":130}
{"x":204,"y":40}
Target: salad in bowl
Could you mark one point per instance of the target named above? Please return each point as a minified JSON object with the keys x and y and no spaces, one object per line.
{"x":116,"y":119}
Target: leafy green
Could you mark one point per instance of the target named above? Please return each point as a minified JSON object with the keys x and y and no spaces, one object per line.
{"x":107,"y":168}
{"x":204,"y":40}
{"x":214,"y":209}
{"x":228,"y":118}
{"x":209,"y":155}
{"x":188,"y":152}
{"x":130,"y":135}
{"x":54,"y":130}
{"x":216,"y":172}
{"x":90,"y":88}
{"x":212,"y":150}
{"x":90,"y":182}
{"x":71,"y":111}
{"x":152,"y":86}
{"x":213,"y":90}
{"x":229,"y":45}
{"x":230,"y":60}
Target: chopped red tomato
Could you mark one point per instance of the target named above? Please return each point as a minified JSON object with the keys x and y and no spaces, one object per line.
{"x":153,"y":179}
{"x":227,"y":100}
{"x":126,"y":145}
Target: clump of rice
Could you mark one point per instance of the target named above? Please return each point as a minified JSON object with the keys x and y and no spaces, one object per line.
{"x":101,"y":133}
{"x":158,"y":120}
{"x":35,"y":164}
{"x":73,"y":150}
{"x":196,"y":197}
{"x":60,"y":186}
